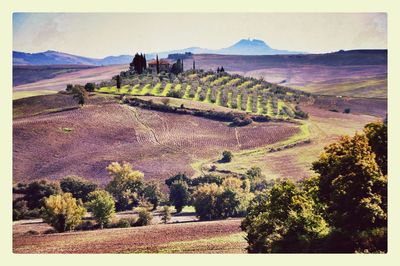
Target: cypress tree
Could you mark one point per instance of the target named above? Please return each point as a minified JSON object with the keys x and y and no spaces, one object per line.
{"x":194,"y":65}
{"x":158,"y":65}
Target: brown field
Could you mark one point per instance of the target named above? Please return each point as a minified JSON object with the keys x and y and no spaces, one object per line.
{"x":323,"y":127}
{"x":352,"y":78}
{"x":194,"y":237}
{"x":59,"y":82}
{"x":83,"y":141}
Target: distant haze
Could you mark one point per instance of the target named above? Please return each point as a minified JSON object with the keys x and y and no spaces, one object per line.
{"x":99,"y":35}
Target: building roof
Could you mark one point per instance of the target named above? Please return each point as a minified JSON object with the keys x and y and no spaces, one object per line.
{"x":160,"y":61}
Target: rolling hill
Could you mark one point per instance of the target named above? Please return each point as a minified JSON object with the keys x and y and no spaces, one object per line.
{"x":242,"y":47}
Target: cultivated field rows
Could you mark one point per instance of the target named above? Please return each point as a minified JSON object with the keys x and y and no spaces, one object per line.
{"x":232,"y":91}
{"x":84,"y":141}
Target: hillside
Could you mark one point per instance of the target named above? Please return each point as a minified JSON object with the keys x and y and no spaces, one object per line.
{"x":242,"y":47}
{"x":25,"y":74}
{"x":83,"y":141}
{"x":361,"y":73}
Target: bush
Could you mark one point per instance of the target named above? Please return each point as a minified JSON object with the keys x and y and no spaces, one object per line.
{"x":226,"y":156}
{"x":77,"y":186}
{"x":20,"y":209}
{"x":144,"y":217}
{"x":178,"y":177}
{"x":175,"y":94}
{"x":165,"y":214}
{"x":179,"y":194}
{"x":152,"y":193}
{"x":207,"y":179}
{"x":32,"y":232}
{"x":87,"y":225}
{"x":102,"y":206}
{"x":123,"y":223}
{"x":34,"y":192}
{"x":62,"y":212}
{"x":347,"y":110}
{"x":90,"y":87}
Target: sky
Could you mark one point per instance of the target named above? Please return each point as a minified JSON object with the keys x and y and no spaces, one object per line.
{"x":102,"y":34}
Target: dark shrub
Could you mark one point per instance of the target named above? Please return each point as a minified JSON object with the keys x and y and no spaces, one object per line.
{"x":77,"y":186}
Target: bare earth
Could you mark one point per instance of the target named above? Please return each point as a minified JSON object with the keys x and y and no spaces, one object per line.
{"x":78,"y":77}
{"x":194,"y":237}
{"x":84,"y":141}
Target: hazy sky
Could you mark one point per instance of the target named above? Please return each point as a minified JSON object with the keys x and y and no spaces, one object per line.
{"x":103,"y":34}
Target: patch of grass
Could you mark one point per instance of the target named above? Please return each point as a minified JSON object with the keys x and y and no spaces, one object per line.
{"x":25,"y":94}
{"x":239,"y":101}
{"x":135,"y":89}
{"x":197,"y":95}
{"x":156,"y":89}
{"x":167,"y":88}
{"x":249,"y":104}
{"x":229,"y":103}
{"x":208,"y":96}
{"x":203,"y":244}
{"x":146,"y":89}
{"x":218,"y":96}
{"x":259,"y":105}
{"x":67,"y":130}
{"x":187,"y":92}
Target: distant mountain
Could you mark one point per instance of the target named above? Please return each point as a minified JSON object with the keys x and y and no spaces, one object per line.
{"x":59,"y":58}
{"x":243,"y":47}
{"x":252,"y":47}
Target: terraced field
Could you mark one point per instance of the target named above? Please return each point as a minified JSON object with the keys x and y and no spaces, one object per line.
{"x":83,"y":141}
{"x":222,"y":89}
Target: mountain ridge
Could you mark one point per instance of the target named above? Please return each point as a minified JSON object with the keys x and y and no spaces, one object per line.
{"x":52,"y":57}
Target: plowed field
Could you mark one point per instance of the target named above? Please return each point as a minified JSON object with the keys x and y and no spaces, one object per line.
{"x":83,"y":141}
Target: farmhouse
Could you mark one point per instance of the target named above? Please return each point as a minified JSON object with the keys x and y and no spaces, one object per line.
{"x":164,"y":64}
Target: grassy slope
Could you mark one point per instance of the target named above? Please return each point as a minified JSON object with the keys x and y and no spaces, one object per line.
{"x":25,"y":94}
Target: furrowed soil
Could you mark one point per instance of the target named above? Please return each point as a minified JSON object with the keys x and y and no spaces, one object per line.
{"x":195,"y":237}
{"x":53,"y":138}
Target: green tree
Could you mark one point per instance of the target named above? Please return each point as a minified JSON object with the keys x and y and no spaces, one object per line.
{"x":63,"y":212}
{"x":179,"y":194}
{"x":165,"y":214}
{"x":125,"y":186}
{"x":119,"y":81}
{"x":377,"y":140}
{"x":354,"y":190}
{"x":80,"y":94}
{"x":90,"y":86}
{"x":78,"y":187}
{"x":205,"y":201}
{"x":352,"y":185}
{"x":226,"y":156}
{"x":254,"y":172}
{"x":35,"y":192}
{"x":102,"y":206}
{"x":283,"y":219}
{"x":157,"y":65}
{"x":153,"y":193}
{"x":178,"y":177}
